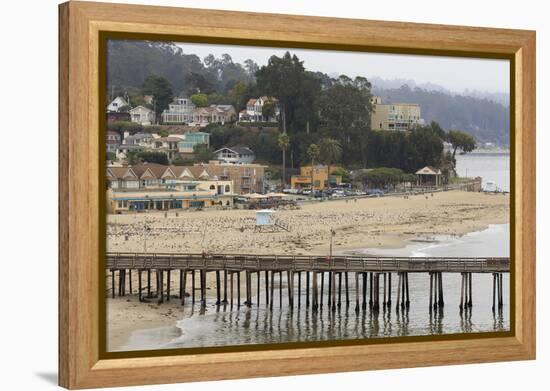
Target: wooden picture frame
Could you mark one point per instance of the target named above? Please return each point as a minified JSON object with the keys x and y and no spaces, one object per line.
{"x":81,"y":364}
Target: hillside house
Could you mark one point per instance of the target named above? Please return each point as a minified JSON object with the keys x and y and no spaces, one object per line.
{"x":254,"y":110}
{"x":191,"y":140}
{"x":235,"y":155}
{"x":142,"y":115}
{"x":113,"y":141}
{"x":116,"y":104}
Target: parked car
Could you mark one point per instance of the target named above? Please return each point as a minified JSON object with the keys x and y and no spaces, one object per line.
{"x":377,"y":192}
{"x":291,"y":191}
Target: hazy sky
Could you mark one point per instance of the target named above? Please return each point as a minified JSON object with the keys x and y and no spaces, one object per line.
{"x":456,"y":74}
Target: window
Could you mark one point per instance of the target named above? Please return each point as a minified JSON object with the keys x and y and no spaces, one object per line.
{"x":227,"y":189}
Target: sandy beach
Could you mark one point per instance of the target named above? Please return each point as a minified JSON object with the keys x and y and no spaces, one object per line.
{"x":367,"y":222}
{"x":385,"y":222}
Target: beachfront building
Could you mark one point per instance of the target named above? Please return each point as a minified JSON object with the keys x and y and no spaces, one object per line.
{"x":254,"y":110}
{"x":113,"y":141}
{"x":429,"y":176}
{"x":122,"y":178}
{"x":241,"y":178}
{"x":180,"y":111}
{"x":247,"y":178}
{"x":394,"y":116}
{"x":150,"y":186}
{"x":238,"y":155}
{"x":189,"y":196}
{"x":142,"y":115}
{"x":321,"y":179}
{"x":191,"y":140}
{"x":116,"y":104}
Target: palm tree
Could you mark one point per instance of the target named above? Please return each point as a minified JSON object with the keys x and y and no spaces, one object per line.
{"x":284,"y":142}
{"x":313,"y":153}
{"x":331,"y":152}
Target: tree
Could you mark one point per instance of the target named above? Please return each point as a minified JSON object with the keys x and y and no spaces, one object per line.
{"x":331,"y":152}
{"x":339,"y":171}
{"x":447,"y":166}
{"x":132,"y":157}
{"x":161,"y":90}
{"x":345,"y":110}
{"x":282,"y":78}
{"x":153,"y":157}
{"x":124,"y":109}
{"x":199,"y":83}
{"x":202,"y":153}
{"x":239,"y":95}
{"x":111,"y":156}
{"x":313,"y":153}
{"x":461,"y":140}
{"x":124,"y":126}
{"x":283,"y":141}
{"x":268,"y":110}
{"x":199,"y":100}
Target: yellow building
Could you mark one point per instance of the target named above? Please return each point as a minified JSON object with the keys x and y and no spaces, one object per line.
{"x":320,"y":178}
{"x":174,"y":195}
{"x":394,"y":116}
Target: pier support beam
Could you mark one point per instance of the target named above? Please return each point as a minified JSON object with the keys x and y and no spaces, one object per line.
{"x":183,"y":285}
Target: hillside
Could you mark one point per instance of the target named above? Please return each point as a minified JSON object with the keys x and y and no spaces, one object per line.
{"x":130,"y":62}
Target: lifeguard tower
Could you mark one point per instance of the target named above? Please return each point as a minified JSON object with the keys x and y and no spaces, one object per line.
{"x":266,"y":218}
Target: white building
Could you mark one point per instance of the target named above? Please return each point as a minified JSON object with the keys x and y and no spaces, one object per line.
{"x":116,"y":104}
{"x":180,"y":111}
{"x":254,"y":110}
{"x":142,"y":115}
{"x":236,"y":155}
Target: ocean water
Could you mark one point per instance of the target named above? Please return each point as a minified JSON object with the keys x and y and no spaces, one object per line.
{"x":491,"y":166}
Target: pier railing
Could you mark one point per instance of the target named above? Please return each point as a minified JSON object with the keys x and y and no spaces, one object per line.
{"x":238,"y":262}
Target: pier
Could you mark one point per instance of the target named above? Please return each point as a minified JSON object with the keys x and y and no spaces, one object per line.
{"x":372,"y":277}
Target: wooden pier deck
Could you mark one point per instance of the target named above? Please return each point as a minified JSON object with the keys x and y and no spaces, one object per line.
{"x":372,"y":278}
{"x":237,"y":262}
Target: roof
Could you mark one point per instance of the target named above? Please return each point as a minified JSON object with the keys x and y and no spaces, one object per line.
{"x":429,"y":170}
{"x":140,"y":108}
{"x":129,"y":146}
{"x":169,"y":138}
{"x":139,"y":136}
{"x":238,"y":149}
{"x":251,"y":102}
{"x":120,"y":172}
{"x":224,"y":107}
{"x":266,"y":98}
{"x":156,"y":169}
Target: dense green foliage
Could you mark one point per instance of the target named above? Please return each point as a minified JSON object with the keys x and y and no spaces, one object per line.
{"x":161,"y":90}
{"x":124,"y":126}
{"x":199,"y":100}
{"x":129,"y":63}
{"x":382,"y":177}
{"x":322,"y":119}
{"x":153,"y":157}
